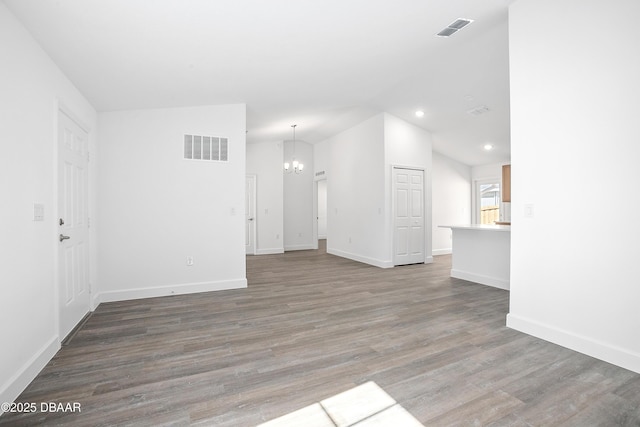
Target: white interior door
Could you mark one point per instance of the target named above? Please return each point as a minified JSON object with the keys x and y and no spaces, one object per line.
{"x":73,"y":236}
{"x":408,"y":217}
{"x":250,"y":214}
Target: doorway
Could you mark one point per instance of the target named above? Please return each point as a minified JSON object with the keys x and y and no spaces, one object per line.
{"x":408,"y":216}
{"x":320,"y":224}
{"x":250,"y":214}
{"x":322,"y":209}
{"x":73,"y":224}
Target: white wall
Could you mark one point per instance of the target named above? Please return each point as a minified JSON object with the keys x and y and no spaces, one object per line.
{"x":298,"y":199}
{"x":356,"y":226}
{"x":490,"y":171}
{"x":157,"y":209}
{"x":32,"y":86}
{"x":574,"y":150}
{"x":410,"y":146}
{"x":451,"y":199}
{"x":359,"y":202}
{"x":321,"y":157}
{"x":265,"y":161}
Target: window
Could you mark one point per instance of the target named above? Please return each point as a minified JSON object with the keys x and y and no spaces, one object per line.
{"x":487,"y":201}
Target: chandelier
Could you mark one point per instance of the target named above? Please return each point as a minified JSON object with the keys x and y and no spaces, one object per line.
{"x":294,"y":165}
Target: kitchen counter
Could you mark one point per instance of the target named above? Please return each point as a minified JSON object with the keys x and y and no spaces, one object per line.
{"x":481,"y":253}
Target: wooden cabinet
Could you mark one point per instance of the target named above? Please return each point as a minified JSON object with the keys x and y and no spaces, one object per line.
{"x":506,"y":183}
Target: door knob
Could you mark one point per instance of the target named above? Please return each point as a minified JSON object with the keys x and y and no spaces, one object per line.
{"x":63,"y":237}
{"x":250,"y":219}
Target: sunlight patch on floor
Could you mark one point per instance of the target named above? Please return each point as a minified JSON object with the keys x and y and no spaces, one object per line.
{"x":366,"y":405}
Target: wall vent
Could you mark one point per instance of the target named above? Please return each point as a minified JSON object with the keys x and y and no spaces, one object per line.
{"x":320,"y":173}
{"x":212,"y":148}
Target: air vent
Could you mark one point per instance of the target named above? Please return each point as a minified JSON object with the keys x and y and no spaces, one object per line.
{"x":460,"y":23}
{"x":212,"y":148}
{"x":320,"y":173}
{"x":447,"y":32}
{"x":454,"y":27}
{"x":480,"y":109}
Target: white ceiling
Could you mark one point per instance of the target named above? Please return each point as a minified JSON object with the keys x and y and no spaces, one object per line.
{"x":325,"y":65}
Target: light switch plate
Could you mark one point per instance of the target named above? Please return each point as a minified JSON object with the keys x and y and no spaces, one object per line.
{"x":38,"y":212}
{"x":528,"y":210}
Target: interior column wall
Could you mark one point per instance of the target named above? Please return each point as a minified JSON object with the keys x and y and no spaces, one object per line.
{"x":356,"y":207}
{"x":574,"y":92}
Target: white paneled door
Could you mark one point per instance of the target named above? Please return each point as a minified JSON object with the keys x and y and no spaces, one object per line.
{"x":73,"y":226}
{"x":250,"y":215}
{"x":408,"y":216}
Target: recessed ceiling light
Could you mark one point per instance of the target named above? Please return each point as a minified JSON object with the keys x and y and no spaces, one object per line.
{"x":488,"y":147}
{"x":419,"y":113}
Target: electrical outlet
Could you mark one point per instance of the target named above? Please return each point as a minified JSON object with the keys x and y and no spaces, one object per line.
{"x":189,"y":261}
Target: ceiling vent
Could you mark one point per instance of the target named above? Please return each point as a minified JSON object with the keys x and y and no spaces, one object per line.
{"x":454,"y":27}
{"x":480,"y":109}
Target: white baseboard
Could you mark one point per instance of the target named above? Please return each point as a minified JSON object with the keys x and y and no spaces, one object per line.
{"x":162,"y":291}
{"x":496,"y":282}
{"x":360,"y":258}
{"x":600,"y":350}
{"x":300,"y":247}
{"x":27,"y":373}
{"x":445,"y":251}
{"x":270,"y":251}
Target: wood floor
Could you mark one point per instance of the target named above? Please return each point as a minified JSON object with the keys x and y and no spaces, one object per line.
{"x":312,"y":325}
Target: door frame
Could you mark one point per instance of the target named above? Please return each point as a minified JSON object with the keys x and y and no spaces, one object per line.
{"x":314,"y":237}
{"x":61,"y":108}
{"x":254,"y":229}
{"x":426,"y":258}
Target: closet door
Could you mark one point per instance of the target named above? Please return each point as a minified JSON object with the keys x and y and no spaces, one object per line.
{"x":408,"y":216}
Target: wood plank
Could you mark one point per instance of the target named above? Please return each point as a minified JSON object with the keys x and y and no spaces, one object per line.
{"x":311,"y":325}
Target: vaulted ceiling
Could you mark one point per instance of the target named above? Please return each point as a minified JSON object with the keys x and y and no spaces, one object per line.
{"x":324,"y":65}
